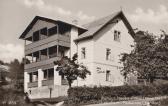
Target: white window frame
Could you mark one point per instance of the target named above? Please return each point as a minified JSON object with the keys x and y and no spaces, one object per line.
{"x":117,"y":35}
{"x":83,"y":53}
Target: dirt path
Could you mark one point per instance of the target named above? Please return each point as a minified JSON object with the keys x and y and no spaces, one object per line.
{"x":137,"y":102}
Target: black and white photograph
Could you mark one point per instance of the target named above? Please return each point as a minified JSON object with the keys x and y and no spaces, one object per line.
{"x":84,"y":53}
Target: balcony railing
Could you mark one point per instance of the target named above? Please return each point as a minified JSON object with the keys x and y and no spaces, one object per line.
{"x":47,"y":82}
{"x":48,"y":42}
{"x":41,"y":63}
{"x":32,"y":84}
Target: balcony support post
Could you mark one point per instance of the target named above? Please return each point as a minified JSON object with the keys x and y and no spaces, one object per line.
{"x":32,"y":57}
{"x":57,"y":77}
{"x":40,"y":55}
{"x":48,"y":53}
{"x":40,"y":77}
{"x":57,"y":49}
{"x":26,"y":80}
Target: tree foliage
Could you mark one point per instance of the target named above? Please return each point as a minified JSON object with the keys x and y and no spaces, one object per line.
{"x":16,"y":73}
{"x":149,"y":58}
{"x":71,"y":70}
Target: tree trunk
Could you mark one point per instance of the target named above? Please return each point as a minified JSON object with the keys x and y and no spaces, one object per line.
{"x":69,"y":83}
{"x":151,"y":80}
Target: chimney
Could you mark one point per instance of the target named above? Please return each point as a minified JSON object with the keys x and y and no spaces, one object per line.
{"x":75,"y":22}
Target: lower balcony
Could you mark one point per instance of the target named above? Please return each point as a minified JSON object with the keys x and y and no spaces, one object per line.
{"x":48,"y":82}
{"x":32,"y":84}
{"x":41,"y":63}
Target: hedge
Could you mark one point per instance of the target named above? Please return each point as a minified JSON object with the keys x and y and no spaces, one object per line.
{"x":104,"y":93}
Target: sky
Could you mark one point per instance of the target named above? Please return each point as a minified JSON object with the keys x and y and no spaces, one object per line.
{"x":15,"y":15}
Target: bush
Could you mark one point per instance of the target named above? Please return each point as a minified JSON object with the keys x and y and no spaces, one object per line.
{"x":85,"y":95}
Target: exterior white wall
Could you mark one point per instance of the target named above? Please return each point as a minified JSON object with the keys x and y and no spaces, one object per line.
{"x":73,"y":36}
{"x":99,"y":78}
{"x":103,"y":40}
{"x":57,"y":77}
{"x":96,"y":56}
{"x":26,"y":80}
{"x":44,"y":92}
{"x":40,"y":77}
{"x":88,"y":61}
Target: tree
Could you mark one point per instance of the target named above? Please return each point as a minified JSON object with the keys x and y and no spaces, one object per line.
{"x":71,"y":70}
{"x":16,"y":74}
{"x":149,"y":58}
{"x":1,"y":62}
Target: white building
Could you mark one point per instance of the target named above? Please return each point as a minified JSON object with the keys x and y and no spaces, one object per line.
{"x":98,"y":45}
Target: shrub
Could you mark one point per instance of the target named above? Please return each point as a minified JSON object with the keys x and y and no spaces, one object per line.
{"x":85,"y":95}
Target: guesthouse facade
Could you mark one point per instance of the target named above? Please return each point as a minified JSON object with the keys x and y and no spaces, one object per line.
{"x":99,"y":45}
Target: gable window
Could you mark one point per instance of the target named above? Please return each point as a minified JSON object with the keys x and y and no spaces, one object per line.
{"x":83,"y":53}
{"x":108,"y":52}
{"x":117,"y":35}
{"x":107,"y":75}
{"x":52,"y":31}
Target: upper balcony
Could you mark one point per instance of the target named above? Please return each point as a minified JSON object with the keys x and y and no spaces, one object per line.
{"x":47,"y":37}
{"x":47,"y":42}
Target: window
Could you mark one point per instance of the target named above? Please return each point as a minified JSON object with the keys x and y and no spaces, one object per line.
{"x":35,"y":76}
{"x":107,"y":75}
{"x":51,"y":73}
{"x":52,"y":31}
{"x":43,"y":31}
{"x":48,"y":74}
{"x":36,"y":36}
{"x":108,"y":52}
{"x":45,"y":74}
{"x":30,"y":77}
{"x":83,"y":53}
{"x":117,"y":35}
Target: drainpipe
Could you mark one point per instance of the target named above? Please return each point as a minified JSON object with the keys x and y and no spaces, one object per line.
{"x":77,"y":57}
{"x":58,"y":40}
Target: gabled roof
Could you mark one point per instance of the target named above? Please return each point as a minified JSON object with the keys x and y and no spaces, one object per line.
{"x":30,"y":26}
{"x":97,"y":25}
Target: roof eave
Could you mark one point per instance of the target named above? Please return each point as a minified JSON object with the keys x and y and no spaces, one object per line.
{"x":84,"y":38}
{"x":29,"y":27}
{"x":121,"y":15}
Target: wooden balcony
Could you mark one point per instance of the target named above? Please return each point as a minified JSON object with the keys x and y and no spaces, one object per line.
{"x":32,"y":84}
{"x":48,"y":42}
{"x":48,"y":82}
{"x":39,"y":64}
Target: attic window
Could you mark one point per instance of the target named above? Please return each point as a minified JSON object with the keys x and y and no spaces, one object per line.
{"x":52,"y":31}
{"x":117,"y":35}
